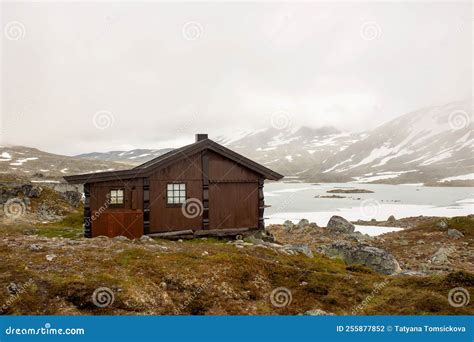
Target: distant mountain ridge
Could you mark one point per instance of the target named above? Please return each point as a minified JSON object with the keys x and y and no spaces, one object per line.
{"x":133,"y":157}
{"x":432,"y":146}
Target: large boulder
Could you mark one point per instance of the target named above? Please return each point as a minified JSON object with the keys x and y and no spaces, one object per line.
{"x":288,"y":225}
{"x":374,"y":258}
{"x":74,"y":198}
{"x":455,"y":234}
{"x":341,"y":225}
{"x":303,"y":223}
{"x":441,"y":257}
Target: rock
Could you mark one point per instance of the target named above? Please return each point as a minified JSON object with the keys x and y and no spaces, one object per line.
{"x":303,"y":249}
{"x":74,"y":198}
{"x":442,"y":225}
{"x":391,"y":218}
{"x":205,"y":253}
{"x":30,"y":190}
{"x":35,"y":247}
{"x":441,"y":256}
{"x":47,"y":213}
{"x":121,"y":238}
{"x":146,"y":239}
{"x":340,"y":224}
{"x":303,"y":223}
{"x":180,"y":240}
{"x":288,"y":225}
{"x":317,"y":312}
{"x":455,"y":234}
{"x":420,"y":242}
{"x":253,"y":240}
{"x":50,"y":257}
{"x":374,"y":258}
{"x":412,"y":273}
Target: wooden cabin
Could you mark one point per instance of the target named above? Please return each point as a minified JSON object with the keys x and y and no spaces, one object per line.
{"x":199,"y":189}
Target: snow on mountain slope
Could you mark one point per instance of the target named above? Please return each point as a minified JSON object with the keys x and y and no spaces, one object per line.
{"x":432,"y":143}
{"x":132,"y":157}
{"x":428,"y":145}
{"x":432,"y":146}
{"x":32,"y":163}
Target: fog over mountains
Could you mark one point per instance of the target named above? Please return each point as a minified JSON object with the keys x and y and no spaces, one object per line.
{"x":432,"y":146}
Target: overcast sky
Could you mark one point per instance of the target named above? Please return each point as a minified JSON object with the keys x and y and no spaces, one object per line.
{"x":108,"y":76}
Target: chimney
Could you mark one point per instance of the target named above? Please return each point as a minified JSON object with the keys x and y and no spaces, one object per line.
{"x":200,"y":137}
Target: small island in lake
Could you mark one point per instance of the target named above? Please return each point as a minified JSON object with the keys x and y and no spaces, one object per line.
{"x":349,"y":191}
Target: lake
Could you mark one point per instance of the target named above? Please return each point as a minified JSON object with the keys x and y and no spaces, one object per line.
{"x":294,"y":201}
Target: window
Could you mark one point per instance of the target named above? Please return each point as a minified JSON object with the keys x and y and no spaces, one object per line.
{"x":176,"y":193}
{"x":116,"y":197}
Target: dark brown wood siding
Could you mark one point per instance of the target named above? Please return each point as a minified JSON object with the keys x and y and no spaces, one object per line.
{"x":233,"y":194}
{"x":163,"y":217}
{"x":110,"y":220}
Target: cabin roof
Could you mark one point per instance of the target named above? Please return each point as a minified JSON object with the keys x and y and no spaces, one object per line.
{"x":170,"y":157}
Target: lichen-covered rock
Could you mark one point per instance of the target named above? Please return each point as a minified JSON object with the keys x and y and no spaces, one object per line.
{"x":455,"y":234}
{"x":441,"y":256}
{"x":302,"y":249}
{"x":303,"y":223}
{"x":288,"y":225}
{"x":374,"y":258}
{"x":317,"y":312}
{"x":74,"y":198}
{"x":146,"y":239}
{"x":340,"y":224}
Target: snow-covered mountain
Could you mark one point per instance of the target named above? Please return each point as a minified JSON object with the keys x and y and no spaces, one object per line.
{"x":27,"y":162}
{"x":432,"y":146}
{"x":133,"y":157}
